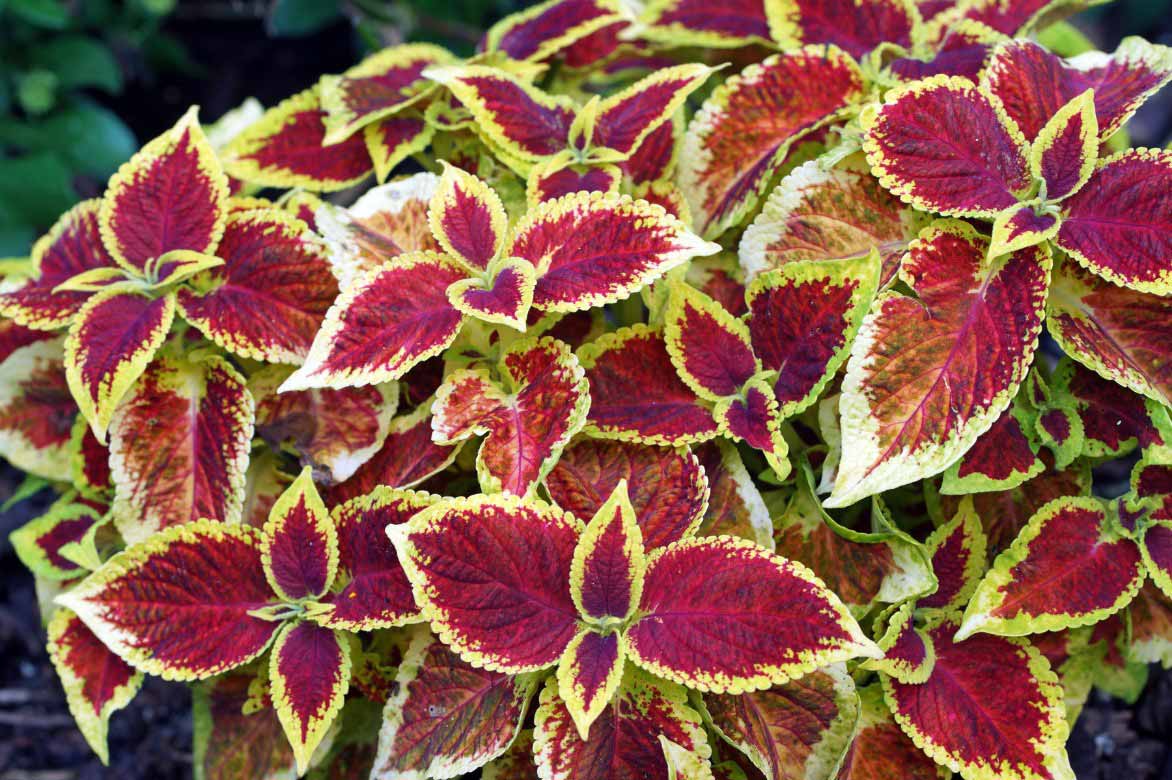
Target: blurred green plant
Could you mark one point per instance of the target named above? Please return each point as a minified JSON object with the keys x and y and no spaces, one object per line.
{"x":454,"y":24}
{"x":57,"y":142}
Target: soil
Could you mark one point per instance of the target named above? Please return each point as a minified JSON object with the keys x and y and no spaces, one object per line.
{"x":151,"y":738}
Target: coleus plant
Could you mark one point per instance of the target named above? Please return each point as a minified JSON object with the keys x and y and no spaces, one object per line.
{"x":701,"y":392}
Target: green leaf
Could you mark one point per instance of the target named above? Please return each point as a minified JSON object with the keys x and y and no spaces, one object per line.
{"x":29,"y":487}
{"x":16,"y":235}
{"x":37,"y":91}
{"x":36,"y":189}
{"x":80,"y":61}
{"x":90,"y":139}
{"x":157,"y":7}
{"x":296,"y":18}
{"x":1065,"y":40}
{"x":42,"y":13}
{"x":86,"y":137}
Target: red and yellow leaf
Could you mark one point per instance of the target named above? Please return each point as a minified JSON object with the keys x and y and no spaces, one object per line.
{"x":1067,"y":148}
{"x":38,"y":542}
{"x":179,"y":604}
{"x":309,"y":668}
{"x":375,"y":592}
{"x":381,"y":85}
{"x":1114,"y":419}
{"x":110,"y":344}
{"x":636,"y":394}
{"x":171,"y":195}
{"x":667,"y":488}
{"x":384,"y":223}
{"x":1120,"y":334}
{"x":593,"y":248}
{"x":72,"y":247}
{"x":179,"y":447}
{"x":468,"y":219}
{"x":855,"y":27}
{"x":741,"y":135}
{"x":754,"y":417}
{"x":880,"y":750}
{"x":97,"y":683}
{"x":1019,"y":18}
{"x":943,"y":145}
{"x":284,"y":149}
{"x":561,"y":175}
{"x":1156,"y":547}
{"x":37,"y":409}
{"x":526,"y":123}
{"x":709,"y":347}
{"x":624,"y":738}
{"x":300,"y":546}
{"x":1000,"y":459}
{"x":407,"y":457}
{"x":386,"y":322}
{"x":231,"y":740}
{"x":538,"y":406}
{"x":492,"y":575}
{"x":908,"y":652}
{"x":626,"y":118}
{"x":392,"y":140}
{"x":655,"y":161}
{"x":959,"y":551}
{"x":447,"y":717}
{"x":503,"y":296}
{"x":928,"y":375}
{"x":89,"y":462}
{"x":606,"y":574}
{"x":992,"y":708}
{"x":959,"y":49}
{"x":268,"y":299}
{"x":1033,"y":84}
{"x":589,"y":674}
{"x":796,"y":730}
{"x":818,"y":214}
{"x":333,"y":431}
{"x":1118,"y":225}
{"x":1067,"y":568}
{"x":696,"y":23}
{"x":1019,"y":227}
{"x":544,"y":29}
{"x":724,"y":615}
{"x":803,"y":318}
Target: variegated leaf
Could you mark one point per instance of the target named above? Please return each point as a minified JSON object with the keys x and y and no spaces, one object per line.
{"x":928,"y":375}
{"x":492,"y":575}
{"x":1067,"y":568}
{"x":179,"y":604}
{"x":667,"y":487}
{"x":167,"y":469}
{"x":447,"y":717}
{"x":741,"y":135}
{"x":696,"y":626}
{"x":539,"y":404}
{"x":172,"y":195}
{"x":636,"y":394}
